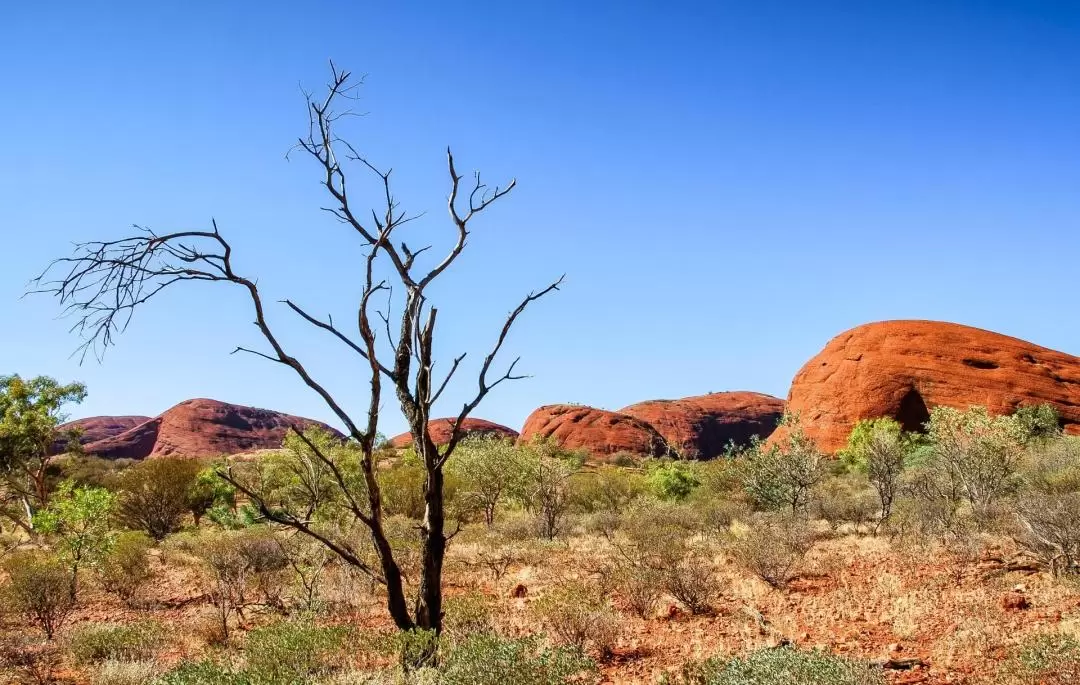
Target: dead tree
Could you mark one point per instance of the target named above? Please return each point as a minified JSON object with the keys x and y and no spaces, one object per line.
{"x":103,"y":283}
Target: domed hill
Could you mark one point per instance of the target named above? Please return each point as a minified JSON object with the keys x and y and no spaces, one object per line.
{"x":97,"y":428}
{"x":441,"y":428}
{"x":702,"y":426}
{"x":901,"y":369}
{"x":201,"y":428}
{"x":599,"y":432}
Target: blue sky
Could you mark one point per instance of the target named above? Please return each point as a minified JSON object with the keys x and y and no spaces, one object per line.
{"x":726,"y":185}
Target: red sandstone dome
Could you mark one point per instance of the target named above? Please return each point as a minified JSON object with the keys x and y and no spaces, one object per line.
{"x":441,"y":429}
{"x":701,"y":427}
{"x":599,"y":432}
{"x":96,"y":428}
{"x":902,"y":369}
{"x":201,"y":428}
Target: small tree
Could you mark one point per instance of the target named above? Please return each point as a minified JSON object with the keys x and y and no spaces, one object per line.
{"x":155,"y":495}
{"x":30,"y":411}
{"x":545,"y":486}
{"x":880,"y":448}
{"x":39,"y":588}
{"x":78,"y":517}
{"x":487,"y":468}
{"x":125,"y":569}
{"x":783,"y":475}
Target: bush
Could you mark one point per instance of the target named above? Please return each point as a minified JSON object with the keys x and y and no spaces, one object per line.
{"x":672,"y":480}
{"x":77,"y":518}
{"x":1049,"y":529}
{"x":840,"y":501}
{"x":1043,"y":660}
{"x":487,"y":659}
{"x":125,"y":568}
{"x":96,"y":643}
{"x":782,"y":666}
{"x":690,"y":581}
{"x":774,"y":548}
{"x":607,"y":490}
{"x":39,"y":588}
{"x":782,"y":476}
{"x":291,"y":652}
{"x":204,"y":672}
{"x":125,"y":673}
{"x":545,"y":488}
{"x":579,"y":617}
{"x":155,"y":495}
{"x":467,"y":615}
{"x":639,"y":585}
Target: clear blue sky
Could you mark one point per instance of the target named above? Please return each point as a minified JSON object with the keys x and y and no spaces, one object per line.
{"x":727,"y":185}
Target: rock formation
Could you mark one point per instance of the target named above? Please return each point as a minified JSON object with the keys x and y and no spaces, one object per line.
{"x":601,"y":433}
{"x":201,"y":428}
{"x":902,"y":369}
{"x":97,"y":428}
{"x":701,"y":427}
{"x":440,"y":430}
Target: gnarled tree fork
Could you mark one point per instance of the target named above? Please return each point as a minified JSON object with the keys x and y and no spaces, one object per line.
{"x":103,"y":283}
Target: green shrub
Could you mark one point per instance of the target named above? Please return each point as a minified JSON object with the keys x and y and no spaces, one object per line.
{"x":125,"y":569}
{"x":125,"y":673}
{"x":204,"y":672}
{"x":487,"y":659}
{"x":467,"y":615}
{"x":774,"y":548}
{"x":293,"y":652}
{"x":672,"y":480}
{"x":39,"y":588}
{"x":1043,"y":660}
{"x":128,"y":642}
{"x":782,"y":475}
{"x":782,"y":666}
{"x":77,"y":520}
{"x":154,"y":495}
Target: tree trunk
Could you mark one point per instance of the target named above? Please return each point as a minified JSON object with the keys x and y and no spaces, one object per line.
{"x":429,"y":605}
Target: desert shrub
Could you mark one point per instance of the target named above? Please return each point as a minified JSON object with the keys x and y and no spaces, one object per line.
{"x":209,"y":491}
{"x":309,"y":561}
{"x":881,"y":449}
{"x":1043,"y":660}
{"x":494,"y":555}
{"x":774,"y":548}
{"x":717,"y":515}
{"x":293,"y":652}
{"x":782,"y":475}
{"x":781,"y":666}
{"x":691,"y":581}
{"x":125,"y":569}
{"x":26,"y":660}
{"x":842,"y":501}
{"x":607,"y":490}
{"x":467,"y":615}
{"x":125,"y":673}
{"x":39,"y":589}
{"x":579,"y":616}
{"x":487,"y":469}
{"x":545,"y":488}
{"x":487,"y":659}
{"x":154,"y":495}
{"x":720,"y":478}
{"x":1038,"y":423}
{"x":1049,"y":529}
{"x":672,"y":480}
{"x":100,"y":642}
{"x":402,"y":486}
{"x":77,"y":519}
{"x":205,"y":672}
{"x":639,"y":585}
{"x":239,"y":566}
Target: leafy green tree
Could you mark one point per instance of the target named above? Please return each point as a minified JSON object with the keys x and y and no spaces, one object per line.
{"x":78,"y":519}
{"x":30,"y":412}
{"x":545,"y":489}
{"x":1039,"y":423}
{"x":209,"y":491}
{"x":880,"y":448}
{"x":487,"y":469}
{"x":672,"y":480}
{"x":783,"y":474}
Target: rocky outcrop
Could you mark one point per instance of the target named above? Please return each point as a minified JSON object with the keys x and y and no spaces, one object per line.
{"x":201,"y":428}
{"x":441,"y":429}
{"x":599,"y":432}
{"x":701,"y":427}
{"x":95,"y":428}
{"x":902,"y":369}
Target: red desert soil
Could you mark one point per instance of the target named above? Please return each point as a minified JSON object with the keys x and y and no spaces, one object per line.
{"x":440,"y":430}
{"x":201,"y":428}
{"x":599,"y":432}
{"x":702,"y":426}
{"x":902,"y":369}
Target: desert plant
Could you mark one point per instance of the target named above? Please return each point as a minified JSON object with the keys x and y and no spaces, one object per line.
{"x":78,"y":519}
{"x":487,"y":659}
{"x":579,"y":616}
{"x":467,"y":615}
{"x":842,"y":500}
{"x":780,"y":666}
{"x":1043,"y":660}
{"x":1049,"y":529}
{"x":672,"y":480}
{"x":27,"y":661}
{"x":293,"y":652}
{"x":773,"y":548}
{"x":205,"y":672}
{"x":39,"y":589}
{"x":545,"y":489}
{"x":782,"y":474}
{"x":125,"y":673}
{"x":690,"y":580}
{"x":96,"y":643}
{"x":155,"y":495}
{"x":488,"y":469}
{"x":639,"y":585}
{"x":125,"y":569}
